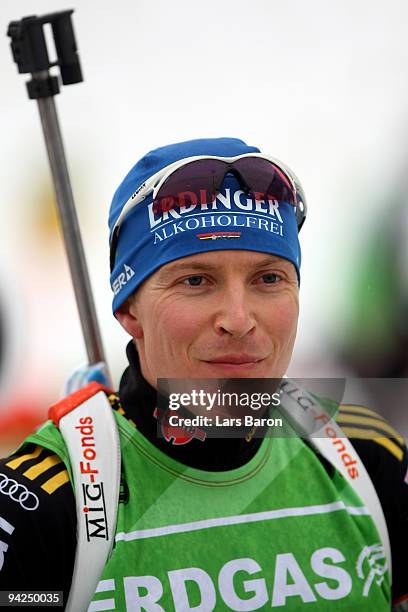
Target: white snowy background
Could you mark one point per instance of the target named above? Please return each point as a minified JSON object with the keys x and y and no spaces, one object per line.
{"x":320,"y":85}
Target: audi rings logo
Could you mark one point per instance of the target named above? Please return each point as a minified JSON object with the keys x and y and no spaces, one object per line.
{"x":18,"y":493}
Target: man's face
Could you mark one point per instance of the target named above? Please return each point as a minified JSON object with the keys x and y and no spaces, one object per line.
{"x":223,"y":314}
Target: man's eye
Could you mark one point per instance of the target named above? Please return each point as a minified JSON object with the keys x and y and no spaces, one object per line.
{"x":270,"y":278}
{"x":193,"y":281}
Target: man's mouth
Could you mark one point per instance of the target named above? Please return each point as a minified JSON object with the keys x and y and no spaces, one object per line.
{"x":235,"y":361}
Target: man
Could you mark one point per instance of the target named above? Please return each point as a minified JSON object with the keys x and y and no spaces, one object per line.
{"x":205,"y":263}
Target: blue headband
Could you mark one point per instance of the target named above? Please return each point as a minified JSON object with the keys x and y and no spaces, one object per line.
{"x":233,"y":221}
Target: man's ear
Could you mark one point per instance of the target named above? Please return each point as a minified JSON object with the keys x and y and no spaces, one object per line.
{"x":127,"y":316}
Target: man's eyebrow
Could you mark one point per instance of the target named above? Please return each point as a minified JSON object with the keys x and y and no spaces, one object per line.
{"x":201,"y":266}
{"x":180,"y":267}
{"x":271,"y":260}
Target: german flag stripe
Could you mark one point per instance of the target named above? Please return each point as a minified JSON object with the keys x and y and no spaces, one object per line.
{"x":15,"y":463}
{"x":41,"y":467}
{"x":115,"y":402}
{"x":360,"y":410}
{"x":381,"y":426}
{"x":230,"y":234}
{"x":54,"y":483}
{"x":371,"y":434}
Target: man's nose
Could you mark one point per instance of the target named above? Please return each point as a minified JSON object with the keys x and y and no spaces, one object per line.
{"x":234,"y":313}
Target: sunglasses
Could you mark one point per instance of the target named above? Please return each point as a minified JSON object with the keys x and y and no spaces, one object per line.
{"x":197,"y":180}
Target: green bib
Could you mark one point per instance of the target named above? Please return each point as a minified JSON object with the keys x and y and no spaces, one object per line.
{"x":274,"y":533}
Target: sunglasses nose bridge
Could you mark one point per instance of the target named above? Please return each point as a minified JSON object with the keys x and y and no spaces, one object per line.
{"x":232,"y":169}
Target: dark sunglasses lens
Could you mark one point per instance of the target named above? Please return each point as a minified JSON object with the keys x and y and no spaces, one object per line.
{"x":195,"y":183}
{"x":265,"y":180}
{"x":199,"y":181}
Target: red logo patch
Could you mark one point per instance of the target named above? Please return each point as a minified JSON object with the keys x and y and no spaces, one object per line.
{"x":177,"y":435}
